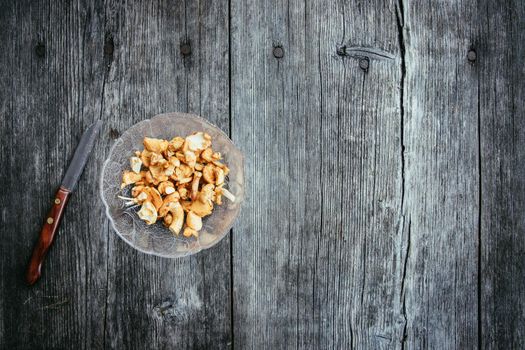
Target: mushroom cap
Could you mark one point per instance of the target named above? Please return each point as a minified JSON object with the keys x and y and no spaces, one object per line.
{"x":148,"y":213}
{"x":178,"y":218}
{"x":155,"y":145}
{"x":193,"y":221}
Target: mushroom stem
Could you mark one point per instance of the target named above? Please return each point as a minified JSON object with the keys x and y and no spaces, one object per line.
{"x":228,"y":195}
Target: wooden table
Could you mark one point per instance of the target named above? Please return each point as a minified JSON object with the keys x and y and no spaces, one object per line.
{"x":385,"y":160}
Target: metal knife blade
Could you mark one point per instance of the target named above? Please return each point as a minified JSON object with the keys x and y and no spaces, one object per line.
{"x":81,"y":156}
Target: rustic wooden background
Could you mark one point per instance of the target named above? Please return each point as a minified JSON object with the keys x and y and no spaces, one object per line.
{"x":385,"y":145}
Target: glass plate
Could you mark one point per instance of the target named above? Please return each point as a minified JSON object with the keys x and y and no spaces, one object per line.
{"x":156,"y":239}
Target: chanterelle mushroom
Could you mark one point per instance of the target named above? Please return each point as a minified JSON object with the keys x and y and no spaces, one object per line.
{"x":195,"y":185}
{"x":228,"y":195}
{"x":157,"y":159}
{"x":167,"y":181}
{"x":145,"y":157}
{"x":166,"y":187}
{"x":168,"y":219}
{"x":208,"y":173}
{"x":153,"y":196}
{"x":135,"y":191}
{"x":166,"y":208}
{"x":219,"y":176}
{"x":207,"y":155}
{"x":190,"y":158}
{"x":197,"y":142}
{"x":148,"y":213}
{"x":203,"y":205}
{"x":155,"y":145}
{"x":167,"y":205}
{"x":176,"y":144}
{"x":129,"y":177}
{"x":188,"y":232}
{"x":193,"y":221}
{"x":135,"y":164}
{"x":178,"y":218}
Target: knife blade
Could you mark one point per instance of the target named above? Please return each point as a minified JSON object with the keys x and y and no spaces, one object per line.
{"x":81,"y":156}
{"x":69,"y":182}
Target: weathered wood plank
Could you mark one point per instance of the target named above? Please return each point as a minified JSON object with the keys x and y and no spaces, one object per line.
{"x":156,"y":302}
{"x":317,"y":251}
{"x":440,"y":137}
{"x":120,"y":62}
{"x":384,"y":166}
{"x":50,"y":94}
{"x":501,"y":111}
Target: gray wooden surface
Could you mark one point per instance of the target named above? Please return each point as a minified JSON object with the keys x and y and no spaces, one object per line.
{"x":385,"y":166}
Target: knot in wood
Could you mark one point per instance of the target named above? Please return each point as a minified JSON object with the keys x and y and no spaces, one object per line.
{"x":185,"y":49}
{"x":40,"y":50}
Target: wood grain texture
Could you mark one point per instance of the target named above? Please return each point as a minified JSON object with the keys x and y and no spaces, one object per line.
{"x":318,"y":250}
{"x":182,"y":303}
{"x":501,"y":89}
{"x":69,"y":64}
{"x":384,"y":164}
{"x":441,"y":205}
{"x":50,"y":94}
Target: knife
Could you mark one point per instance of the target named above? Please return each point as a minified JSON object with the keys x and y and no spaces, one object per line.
{"x":59,"y":202}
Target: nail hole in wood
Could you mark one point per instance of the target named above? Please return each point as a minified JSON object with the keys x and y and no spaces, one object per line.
{"x":341,"y":50}
{"x":364,"y":63}
{"x":185,"y":49}
{"x":471,"y":55}
{"x":40,"y":50}
{"x":278,"y":52}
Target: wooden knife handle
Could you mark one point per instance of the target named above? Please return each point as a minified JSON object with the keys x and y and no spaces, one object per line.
{"x":47,"y":235}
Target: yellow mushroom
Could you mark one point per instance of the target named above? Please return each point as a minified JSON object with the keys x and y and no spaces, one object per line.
{"x":135,"y":191}
{"x":183,"y":192}
{"x":174,"y":169}
{"x":197,"y":142}
{"x":188,"y":232}
{"x":195,"y":184}
{"x":207,"y":155}
{"x":168,"y":219}
{"x":203,"y":205}
{"x":219,"y":176}
{"x":175,"y":144}
{"x":166,"y":187}
{"x":130,"y":177}
{"x":166,"y":206}
{"x":186,"y":170}
{"x":208,"y":173}
{"x":145,"y":157}
{"x":193,"y":221}
{"x":148,"y":213}
{"x":157,"y":159}
{"x":153,"y":196}
{"x":218,"y":195}
{"x":155,"y":145}
{"x":178,"y":218}
{"x":228,"y":195}
{"x":186,"y":205}
{"x":174,"y":161}
{"x":190,"y":158}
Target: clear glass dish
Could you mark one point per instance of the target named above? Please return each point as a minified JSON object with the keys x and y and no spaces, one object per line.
{"x":156,"y":239}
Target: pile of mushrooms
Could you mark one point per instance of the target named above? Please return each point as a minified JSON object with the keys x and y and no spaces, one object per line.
{"x":178,"y":181}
